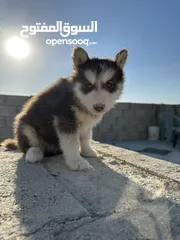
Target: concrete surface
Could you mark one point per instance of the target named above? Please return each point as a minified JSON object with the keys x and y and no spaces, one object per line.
{"x":139,"y":145}
{"x":126,"y":196}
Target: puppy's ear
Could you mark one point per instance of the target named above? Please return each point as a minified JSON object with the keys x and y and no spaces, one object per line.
{"x":121,"y":58}
{"x":79,"y":56}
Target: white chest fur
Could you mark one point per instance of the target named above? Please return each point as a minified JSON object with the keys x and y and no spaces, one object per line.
{"x":85,"y":120}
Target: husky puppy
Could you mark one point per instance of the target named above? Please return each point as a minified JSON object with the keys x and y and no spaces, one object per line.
{"x":60,"y":118}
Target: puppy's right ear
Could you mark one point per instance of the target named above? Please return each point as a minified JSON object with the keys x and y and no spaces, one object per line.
{"x":79,"y":56}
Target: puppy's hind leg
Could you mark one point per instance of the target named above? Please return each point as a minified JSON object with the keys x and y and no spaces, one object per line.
{"x":35,"y":152}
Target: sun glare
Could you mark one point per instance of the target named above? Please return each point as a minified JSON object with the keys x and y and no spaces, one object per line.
{"x":17,"y":48}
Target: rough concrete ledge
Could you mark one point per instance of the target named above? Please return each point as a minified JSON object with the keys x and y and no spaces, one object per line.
{"x":126,"y":196}
{"x":160,"y":168}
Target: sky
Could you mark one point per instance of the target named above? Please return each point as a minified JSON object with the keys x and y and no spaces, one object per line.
{"x":148,"y":29}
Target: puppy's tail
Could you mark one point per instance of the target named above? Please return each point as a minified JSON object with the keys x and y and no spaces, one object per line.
{"x":9,"y":144}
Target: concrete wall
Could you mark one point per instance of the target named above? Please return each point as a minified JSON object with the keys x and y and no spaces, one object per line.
{"x":130,"y":121}
{"x":126,"y":121}
{"x":9,"y":107}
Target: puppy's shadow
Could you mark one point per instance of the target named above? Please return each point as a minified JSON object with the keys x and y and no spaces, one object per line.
{"x":48,"y":193}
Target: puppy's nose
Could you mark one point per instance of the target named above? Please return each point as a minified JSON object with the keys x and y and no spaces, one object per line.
{"x":99,"y":107}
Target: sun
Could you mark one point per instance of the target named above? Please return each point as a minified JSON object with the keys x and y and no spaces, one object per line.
{"x":17,"y":48}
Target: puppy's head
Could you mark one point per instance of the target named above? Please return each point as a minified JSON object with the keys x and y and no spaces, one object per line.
{"x":98,"y":83}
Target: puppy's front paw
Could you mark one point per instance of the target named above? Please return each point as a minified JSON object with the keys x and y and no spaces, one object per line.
{"x":79,"y":164}
{"x":89,"y":152}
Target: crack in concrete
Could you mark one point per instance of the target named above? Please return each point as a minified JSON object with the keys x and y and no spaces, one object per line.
{"x":94,"y":219}
{"x":150,"y":171}
{"x":65,"y":189}
{"x":54,"y":224}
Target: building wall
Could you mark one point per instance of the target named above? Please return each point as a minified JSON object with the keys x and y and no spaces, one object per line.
{"x":9,"y":107}
{"x":126,"y":121}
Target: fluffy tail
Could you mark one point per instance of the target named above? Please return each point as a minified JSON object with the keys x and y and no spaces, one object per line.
{"x":9,"y":144}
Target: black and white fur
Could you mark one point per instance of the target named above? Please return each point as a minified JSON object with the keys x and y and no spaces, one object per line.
{"x":60,"y":118}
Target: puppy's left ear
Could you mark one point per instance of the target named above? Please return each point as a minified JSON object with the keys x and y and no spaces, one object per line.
{"x":121,"y":58}
{"x":79,"y":56}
